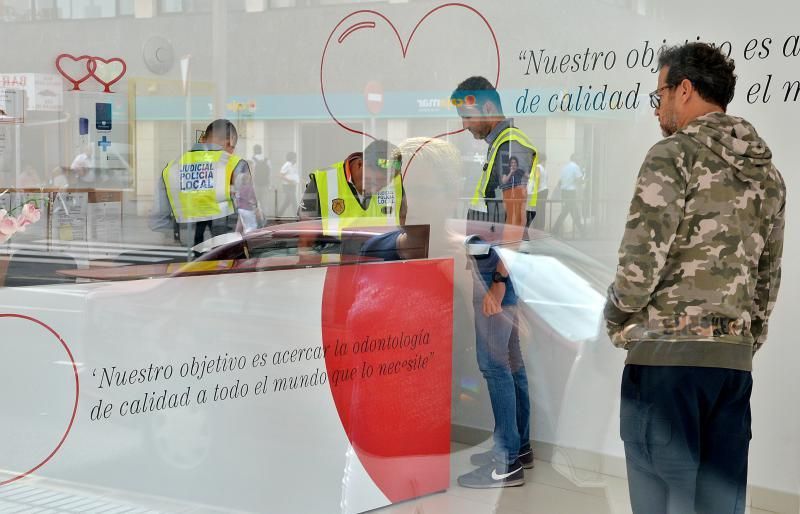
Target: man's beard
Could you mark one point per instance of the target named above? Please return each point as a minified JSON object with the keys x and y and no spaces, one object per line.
{"x":669,"y":126}
{"x":480,"y":132}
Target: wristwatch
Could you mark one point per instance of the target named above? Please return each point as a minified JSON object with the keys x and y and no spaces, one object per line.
{"x":499,"y":277}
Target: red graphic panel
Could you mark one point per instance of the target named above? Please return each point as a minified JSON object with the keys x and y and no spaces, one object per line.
{"x":391,"y":385}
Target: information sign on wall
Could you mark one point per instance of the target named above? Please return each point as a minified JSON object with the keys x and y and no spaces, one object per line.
{"x":12,"y":106}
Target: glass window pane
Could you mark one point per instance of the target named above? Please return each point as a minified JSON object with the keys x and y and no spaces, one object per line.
{"x":235,"y":5}
{"x":198,"y":6}
{"x":126,"y":7}
{"x":278,"y":4}
{"x":151,"y":247}
{"x":170,"y":6}
{"x":15,"y":10}
{"x":93,"y":9}
{"x":53,"y":9}
{"x":187,"y":6}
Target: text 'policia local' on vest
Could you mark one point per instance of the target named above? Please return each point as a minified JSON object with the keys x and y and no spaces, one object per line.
{"x":339,"y":207}
{"x":199,"y":185}
{"x":514,"y":134}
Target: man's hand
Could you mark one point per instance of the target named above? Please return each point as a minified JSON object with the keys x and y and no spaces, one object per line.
{"x":620,"y":335}
{"x":614,"y":331}
{"x":493,"y":300}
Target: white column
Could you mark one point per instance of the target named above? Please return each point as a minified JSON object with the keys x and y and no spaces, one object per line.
{"x":219,"y":54}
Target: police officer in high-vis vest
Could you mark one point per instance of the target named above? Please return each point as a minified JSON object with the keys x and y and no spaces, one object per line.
{"x":197,"y":188}
{"x":494,"y":300}
{"x":364,"y":190}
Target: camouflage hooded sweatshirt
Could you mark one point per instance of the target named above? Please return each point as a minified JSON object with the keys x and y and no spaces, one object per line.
{"x":700,"y":259}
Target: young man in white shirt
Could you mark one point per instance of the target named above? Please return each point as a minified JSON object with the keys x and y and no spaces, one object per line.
{"x":569,"y":183}
{"x":290,"y":178}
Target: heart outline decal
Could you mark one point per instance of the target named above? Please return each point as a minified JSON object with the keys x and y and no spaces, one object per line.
{"x":404,"y":46}
{"x":76,"y":83}
{"x":93,"y":64}
{"x":107,"y":85}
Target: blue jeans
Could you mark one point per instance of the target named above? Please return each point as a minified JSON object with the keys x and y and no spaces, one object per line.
{"x":687,"y":434}
{"x":500,"y":362}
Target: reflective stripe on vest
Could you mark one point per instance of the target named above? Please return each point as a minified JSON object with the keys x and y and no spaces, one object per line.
{"x":199,"y":185}
{"x":478,"y":202}
{"x":339,"y":208}
{"x":537,"y":170}
{"x":536,"y":176}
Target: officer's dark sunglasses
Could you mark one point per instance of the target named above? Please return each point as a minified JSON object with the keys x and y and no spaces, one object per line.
{"x":655,"y":96}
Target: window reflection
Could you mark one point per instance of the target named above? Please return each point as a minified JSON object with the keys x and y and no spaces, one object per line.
{"x":168,"y":6}
{"x":53,"y":9}
{"x":176,"y":6}
{"x":93,"y":9}
{"x":42,"y":10}
{"x":15,"y":10}
{"x":126,"y":7}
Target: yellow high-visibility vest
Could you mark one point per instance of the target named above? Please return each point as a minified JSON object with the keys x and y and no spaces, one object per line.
{"x":339,"y":208}
{"x":478,"y":202}
{"x":199,"y":185}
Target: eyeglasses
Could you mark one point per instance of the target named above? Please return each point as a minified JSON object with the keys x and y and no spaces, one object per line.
{"x":655,"y":97}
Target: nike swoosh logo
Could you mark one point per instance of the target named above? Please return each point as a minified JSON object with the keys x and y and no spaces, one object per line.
{"x":495,"y":476}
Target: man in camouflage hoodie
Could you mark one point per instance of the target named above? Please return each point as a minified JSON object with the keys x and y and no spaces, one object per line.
{"x":698,"y":275}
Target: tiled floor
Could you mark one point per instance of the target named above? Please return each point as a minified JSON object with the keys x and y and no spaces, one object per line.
{"x":546,"y":491}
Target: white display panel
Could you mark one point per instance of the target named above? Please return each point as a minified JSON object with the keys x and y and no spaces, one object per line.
{"x":219,"y":391}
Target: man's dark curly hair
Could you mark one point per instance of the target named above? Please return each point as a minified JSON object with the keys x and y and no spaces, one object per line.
{"x":709,"y":71}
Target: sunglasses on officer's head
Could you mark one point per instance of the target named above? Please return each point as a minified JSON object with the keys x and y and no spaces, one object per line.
{"x":389,"y":164}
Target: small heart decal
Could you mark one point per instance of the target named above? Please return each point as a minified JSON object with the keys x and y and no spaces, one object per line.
{"x":109,"y":71}
{"x":76,"y":70}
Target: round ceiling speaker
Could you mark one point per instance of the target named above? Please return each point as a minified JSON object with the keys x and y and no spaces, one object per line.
{"x":159,"y":55}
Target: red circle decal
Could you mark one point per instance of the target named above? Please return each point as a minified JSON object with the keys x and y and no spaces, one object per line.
{"x":74,"y":408}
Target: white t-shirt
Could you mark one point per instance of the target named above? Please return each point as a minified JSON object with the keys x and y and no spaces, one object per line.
{"x":60,"y":181}
{"x":570,"y":176}
{"x":83,"y":162}
{"x":289,"y":173}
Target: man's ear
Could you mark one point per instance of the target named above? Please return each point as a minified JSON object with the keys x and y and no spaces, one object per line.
{"x":231,"y":146}
{"x":685,"y":89}
{"x":357,"y":163}
{"x":489,"y":108}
